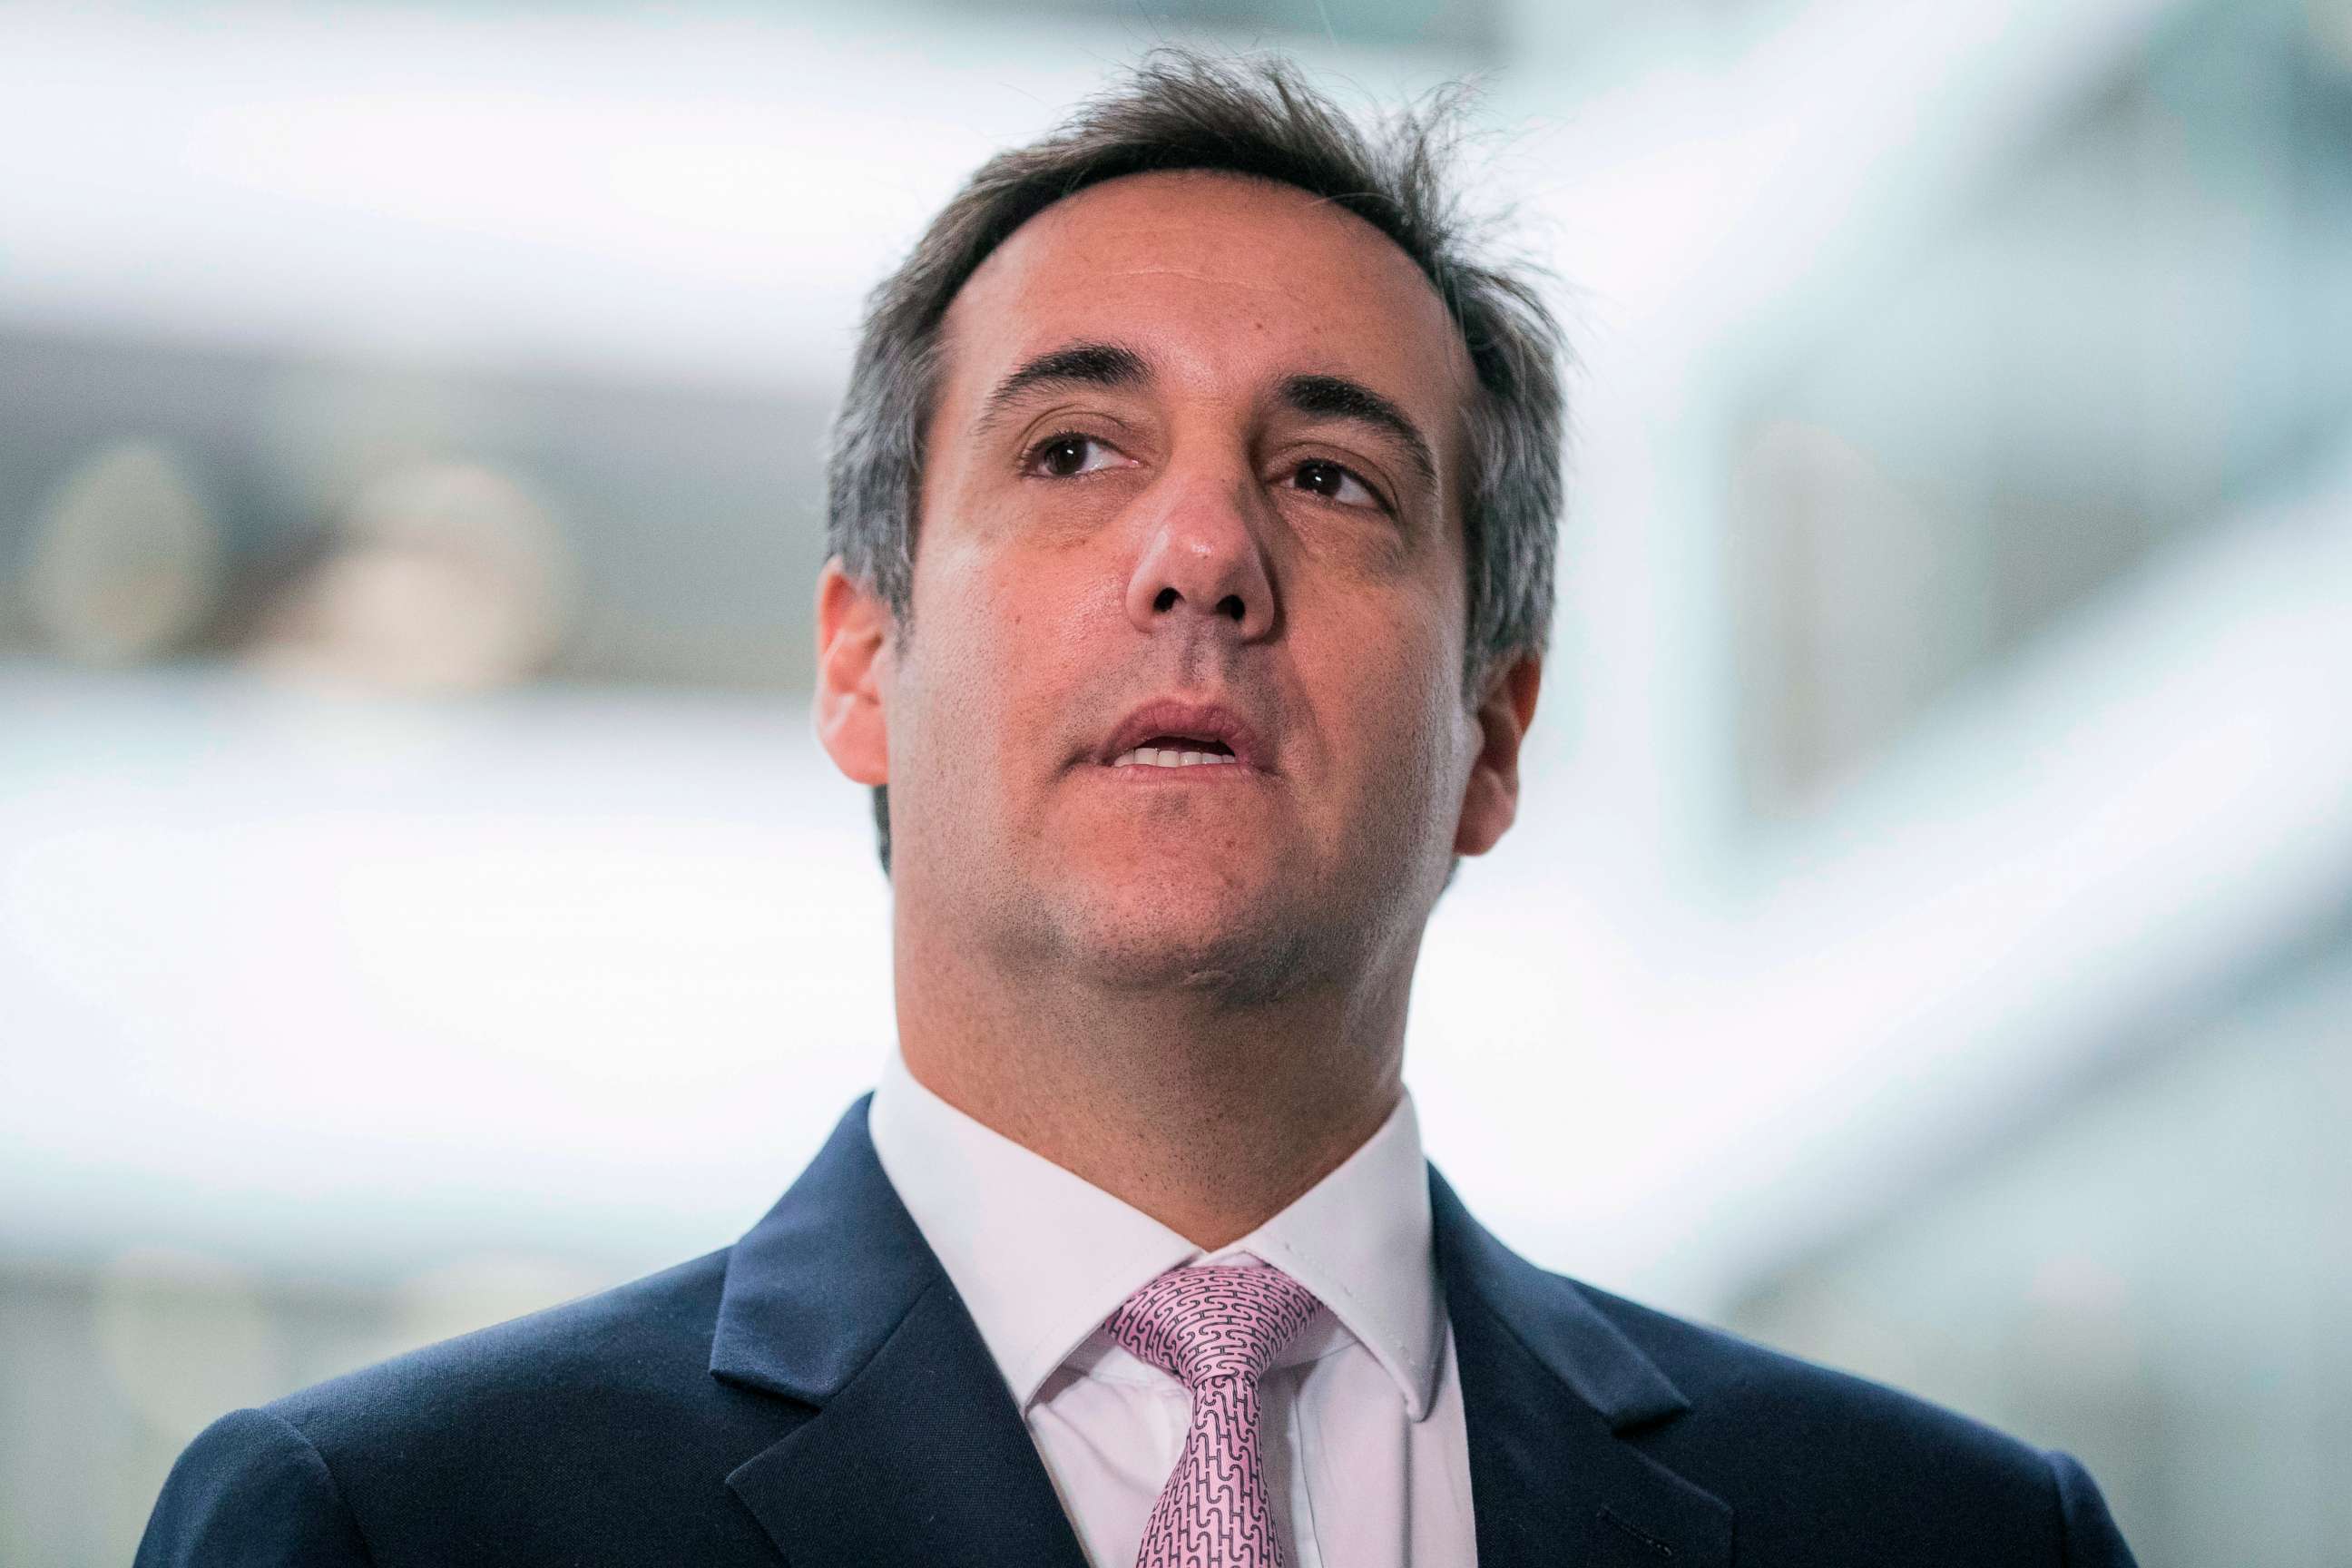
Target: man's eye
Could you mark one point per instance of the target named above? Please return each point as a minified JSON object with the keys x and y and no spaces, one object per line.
{"x":1068,"y":454}
{"x":1333,"y":483}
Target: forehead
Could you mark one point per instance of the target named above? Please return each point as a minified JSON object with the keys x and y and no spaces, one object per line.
{"x":1217,"y":280}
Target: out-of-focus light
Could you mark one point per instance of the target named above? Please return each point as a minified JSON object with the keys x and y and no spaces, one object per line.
{"x":2079,"y":1321}
{"x":453,"y":1298}
{"x":1839,"y":577}
{"x":126,"y":560}
{"x":184,"y":1337}
{"x":326,"y":432}
{"x":448,"y":576}
{"x":2330,"y":22}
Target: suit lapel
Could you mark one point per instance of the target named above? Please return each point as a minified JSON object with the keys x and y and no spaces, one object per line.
{"x":1554,"y":1398}
{"x":916,"y":1453}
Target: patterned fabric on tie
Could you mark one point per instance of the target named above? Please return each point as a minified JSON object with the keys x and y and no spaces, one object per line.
{"x":1216,"y":1331}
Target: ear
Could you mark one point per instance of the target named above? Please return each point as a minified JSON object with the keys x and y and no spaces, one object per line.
{"x":853,"y":629}
{"x":1491,"y":800}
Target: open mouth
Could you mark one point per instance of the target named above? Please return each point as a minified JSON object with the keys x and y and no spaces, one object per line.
{"x":1174,"y":733}
{"x":1176,"y":752}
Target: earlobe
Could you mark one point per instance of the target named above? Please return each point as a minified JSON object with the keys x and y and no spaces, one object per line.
{"x":1491,"y":800}
{"x":853,"y":630}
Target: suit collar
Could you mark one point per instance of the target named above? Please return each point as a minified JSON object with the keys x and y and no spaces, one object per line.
{"x":1555,"y":1321}
{"x":816,"y":1286}
{"x":917,"y":1454}
{"x":1557,"y":1401}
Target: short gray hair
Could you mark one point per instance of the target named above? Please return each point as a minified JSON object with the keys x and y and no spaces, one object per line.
{"x":1181,"y":110}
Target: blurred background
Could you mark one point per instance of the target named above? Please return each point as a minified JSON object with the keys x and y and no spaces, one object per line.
{"x":1928,"y":943}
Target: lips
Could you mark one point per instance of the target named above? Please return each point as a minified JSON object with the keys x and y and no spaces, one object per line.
{"x":1173,"y":733}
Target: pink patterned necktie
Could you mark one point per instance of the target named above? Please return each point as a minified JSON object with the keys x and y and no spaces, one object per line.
{"x":1216,"y":1331}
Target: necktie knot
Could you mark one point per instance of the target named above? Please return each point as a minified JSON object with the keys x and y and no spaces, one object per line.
{"x":1216,"y":1331}
{"x":1200,"y":1323}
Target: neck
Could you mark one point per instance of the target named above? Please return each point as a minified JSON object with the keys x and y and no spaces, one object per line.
{"x":1208,"y":1117}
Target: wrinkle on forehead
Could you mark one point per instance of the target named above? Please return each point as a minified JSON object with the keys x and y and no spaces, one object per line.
{"x":1227,"y":279}
{"x":1071,"y":218}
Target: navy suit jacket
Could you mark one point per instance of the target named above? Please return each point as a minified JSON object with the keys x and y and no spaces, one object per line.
{"x":817,"y":1394}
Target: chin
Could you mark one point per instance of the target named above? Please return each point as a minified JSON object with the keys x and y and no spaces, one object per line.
{"x":1246,"y":949}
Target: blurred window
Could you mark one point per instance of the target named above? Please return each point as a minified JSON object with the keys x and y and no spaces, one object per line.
{"x":2147,"y":320}
{"x":2154,"y":1273}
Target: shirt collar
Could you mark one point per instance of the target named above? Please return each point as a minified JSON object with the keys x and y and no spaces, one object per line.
{"x":1041,"y":1255}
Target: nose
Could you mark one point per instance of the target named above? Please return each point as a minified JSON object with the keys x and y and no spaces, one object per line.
{"x":1203,"y":555}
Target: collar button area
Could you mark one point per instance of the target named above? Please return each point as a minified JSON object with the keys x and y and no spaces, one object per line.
{"x":1204,"y":1323}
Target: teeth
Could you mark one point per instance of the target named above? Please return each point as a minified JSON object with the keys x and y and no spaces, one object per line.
{"x":1168,"y":757}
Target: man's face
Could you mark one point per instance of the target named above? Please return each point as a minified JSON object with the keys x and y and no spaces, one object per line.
{"x":1188,"y":498}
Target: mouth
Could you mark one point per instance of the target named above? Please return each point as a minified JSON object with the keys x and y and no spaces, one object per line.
{"x":1177,"y":752}
{"x":1171,"y":735}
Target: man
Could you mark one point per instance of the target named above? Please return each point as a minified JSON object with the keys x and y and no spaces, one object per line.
{"x":1194,"y":500}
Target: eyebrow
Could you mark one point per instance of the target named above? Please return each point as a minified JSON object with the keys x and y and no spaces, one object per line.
{"x":1112,"y":365}
{"x":1074,"y":364}
{"x":1336,"y":397}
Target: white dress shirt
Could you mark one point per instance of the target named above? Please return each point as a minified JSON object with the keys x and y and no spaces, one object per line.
{"x":1365,"y":1454}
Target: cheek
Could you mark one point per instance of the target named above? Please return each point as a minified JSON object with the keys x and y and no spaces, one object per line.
{"x":1005,"y":641}
{"x":1389,"y":698}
